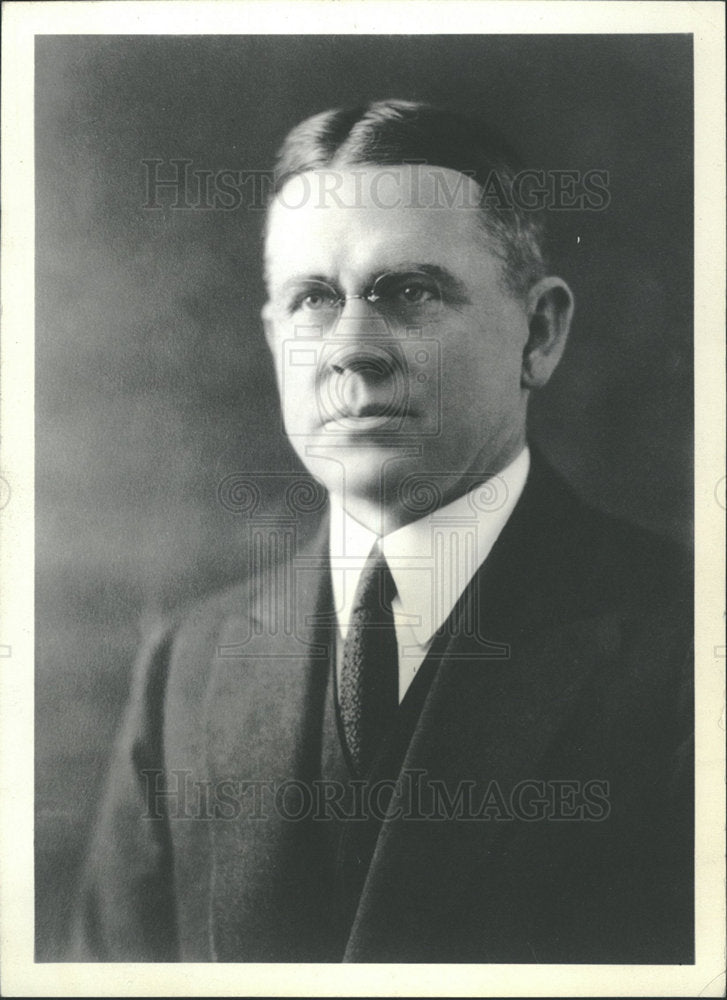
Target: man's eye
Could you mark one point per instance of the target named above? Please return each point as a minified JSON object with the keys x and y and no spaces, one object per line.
{"x":313,"y":301}
{"x":416,"y":294}
{"x":406,"y":290}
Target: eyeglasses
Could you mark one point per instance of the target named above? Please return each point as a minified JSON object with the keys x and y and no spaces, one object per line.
{"x":401,"y":298}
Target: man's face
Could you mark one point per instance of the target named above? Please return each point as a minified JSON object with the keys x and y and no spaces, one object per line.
{"x":397,"y":347}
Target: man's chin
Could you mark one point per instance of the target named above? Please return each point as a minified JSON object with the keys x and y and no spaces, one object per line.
{"x":365,"y":468}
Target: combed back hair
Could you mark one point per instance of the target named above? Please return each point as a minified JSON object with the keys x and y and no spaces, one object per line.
{"x":393,"y":133}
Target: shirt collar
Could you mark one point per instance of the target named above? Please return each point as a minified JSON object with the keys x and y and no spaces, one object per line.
{"x":432,"y":559}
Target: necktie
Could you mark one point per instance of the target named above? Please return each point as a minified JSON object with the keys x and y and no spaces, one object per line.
{"x":369,"y":689}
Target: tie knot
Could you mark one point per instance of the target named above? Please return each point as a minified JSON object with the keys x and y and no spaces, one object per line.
{"x":375,"y":592}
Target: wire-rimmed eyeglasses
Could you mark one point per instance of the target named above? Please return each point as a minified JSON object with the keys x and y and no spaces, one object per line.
{"x":408,"y":298}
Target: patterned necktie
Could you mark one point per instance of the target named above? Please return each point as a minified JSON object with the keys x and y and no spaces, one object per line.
{"x":369,"y":688}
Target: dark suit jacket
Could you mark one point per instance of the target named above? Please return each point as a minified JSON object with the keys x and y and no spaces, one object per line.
{"x":566,"y":661}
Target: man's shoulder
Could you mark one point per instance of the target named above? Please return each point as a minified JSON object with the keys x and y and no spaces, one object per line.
{"x":184,"y":629}
{"x":260,"y":593}
{"x":625,"y":553}
{"x":597,"y":559}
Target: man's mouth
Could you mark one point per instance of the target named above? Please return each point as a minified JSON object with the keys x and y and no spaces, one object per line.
{"x":368,"y":418}
{"x":361,"y":424}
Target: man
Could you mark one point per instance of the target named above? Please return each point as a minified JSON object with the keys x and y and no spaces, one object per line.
{"x":457,"y":727}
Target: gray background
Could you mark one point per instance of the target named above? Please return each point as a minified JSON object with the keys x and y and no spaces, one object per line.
{"x":153,"y":382}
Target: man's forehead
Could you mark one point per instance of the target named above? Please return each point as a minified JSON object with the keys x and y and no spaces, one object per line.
{"x":393,"y":212}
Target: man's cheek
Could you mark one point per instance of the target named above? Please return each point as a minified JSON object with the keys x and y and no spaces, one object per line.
{"x":298,"y":403}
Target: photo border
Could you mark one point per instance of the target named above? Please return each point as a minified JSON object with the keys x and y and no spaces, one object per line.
{"x":21,"y":23}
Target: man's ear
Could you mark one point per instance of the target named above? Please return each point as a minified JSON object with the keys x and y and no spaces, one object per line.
{"x":550,"y":309}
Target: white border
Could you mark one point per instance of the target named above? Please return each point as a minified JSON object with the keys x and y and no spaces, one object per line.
{"x":21,"y":22}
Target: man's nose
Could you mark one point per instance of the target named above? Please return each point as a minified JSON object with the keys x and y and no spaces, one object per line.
{"x":368,"y":360}
{"x":359,"y":320}
{"x":362,"y":377}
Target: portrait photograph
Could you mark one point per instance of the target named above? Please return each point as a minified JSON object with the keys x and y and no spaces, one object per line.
{"x":366,"y":528}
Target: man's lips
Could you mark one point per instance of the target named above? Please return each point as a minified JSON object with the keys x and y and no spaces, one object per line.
{"x":359,"y":424}
{"x":368,"y":418}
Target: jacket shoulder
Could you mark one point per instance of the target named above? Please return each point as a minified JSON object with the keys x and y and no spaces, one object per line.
{"x":635,"y":564}
{"x":593,"y":561}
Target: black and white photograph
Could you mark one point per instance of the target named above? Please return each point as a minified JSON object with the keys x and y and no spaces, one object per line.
{"x":367,"y":492}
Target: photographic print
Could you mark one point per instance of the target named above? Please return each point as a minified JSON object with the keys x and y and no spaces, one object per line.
{"x":365,"y":500}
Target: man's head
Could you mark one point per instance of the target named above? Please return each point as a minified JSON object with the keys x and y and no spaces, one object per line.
{"x":409,"y":307}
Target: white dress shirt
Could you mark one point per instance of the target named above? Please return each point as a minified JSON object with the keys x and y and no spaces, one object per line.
{"x":432,"y":561}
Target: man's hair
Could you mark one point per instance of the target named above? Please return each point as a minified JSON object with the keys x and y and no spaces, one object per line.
{"x":393,"y":133}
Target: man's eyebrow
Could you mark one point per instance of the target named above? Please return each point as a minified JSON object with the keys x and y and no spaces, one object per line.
{"x":301,"y":279}
{"x":450,"y":285}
